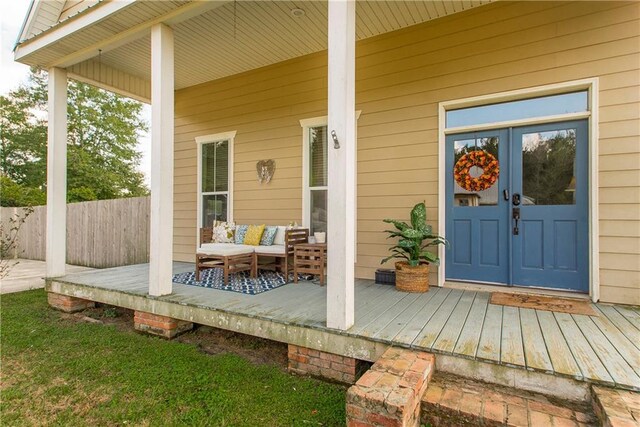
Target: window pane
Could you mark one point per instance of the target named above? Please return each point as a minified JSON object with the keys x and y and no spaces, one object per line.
{"x":469,"y":194}
{"x":215,"y":166}
{"x":318,"y":211}
{"x":524,"y":109}
{"x":214,"y":207}
{"x":318,"y":156}
{"x":548,"y":167}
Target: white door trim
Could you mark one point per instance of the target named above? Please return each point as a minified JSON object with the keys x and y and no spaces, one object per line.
{"x":591,"y":85}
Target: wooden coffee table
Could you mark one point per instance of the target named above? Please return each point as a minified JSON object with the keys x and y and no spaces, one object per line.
{"x":310,"y":258}
{"x":229,"y":264}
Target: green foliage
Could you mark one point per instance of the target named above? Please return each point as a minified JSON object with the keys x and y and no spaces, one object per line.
{"x":9,"y":231}
{"x":107,"y":377}
{"x":103,"y":131}
{"x":414,"y":239}
{"x":15,"y":195}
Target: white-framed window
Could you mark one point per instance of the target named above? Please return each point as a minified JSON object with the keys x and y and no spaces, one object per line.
{"x":315,"y":150}
{"x":215,"y":178}
{"x":314,"y":173}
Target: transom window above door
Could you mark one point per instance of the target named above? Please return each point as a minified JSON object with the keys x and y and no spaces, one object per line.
{"x":215,"y":160}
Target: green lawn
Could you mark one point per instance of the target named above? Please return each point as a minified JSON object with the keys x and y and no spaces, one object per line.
{"x":59,"y":371}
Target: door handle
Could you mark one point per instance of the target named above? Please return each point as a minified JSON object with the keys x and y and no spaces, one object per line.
{"x":505,"y":194}
{"x":515,"y":214}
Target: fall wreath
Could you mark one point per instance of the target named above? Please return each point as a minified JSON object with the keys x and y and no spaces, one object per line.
{"x":481,"y":159}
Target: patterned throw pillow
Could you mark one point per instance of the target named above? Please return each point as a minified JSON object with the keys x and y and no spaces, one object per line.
{"x":254,"y":234}
{"x":241,"y":230}
{"x":223,"y":232}
{"x":268,"y":236}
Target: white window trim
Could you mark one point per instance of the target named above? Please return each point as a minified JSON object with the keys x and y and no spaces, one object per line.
{"x":306,"y":200}
{"x":591,"y":85}
{"x":208,"y":139}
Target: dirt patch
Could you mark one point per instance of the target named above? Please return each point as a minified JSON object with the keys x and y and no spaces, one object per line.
{"x":218,"y":341}
{"x":207,"y":339}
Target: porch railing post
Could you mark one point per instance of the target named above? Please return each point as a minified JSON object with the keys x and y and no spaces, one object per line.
{"x":56,"y":245}
{"x":341,"y":169}
{"x":161,"y":227}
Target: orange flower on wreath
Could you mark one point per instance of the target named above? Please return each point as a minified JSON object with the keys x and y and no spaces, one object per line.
{"x":481,"y":159}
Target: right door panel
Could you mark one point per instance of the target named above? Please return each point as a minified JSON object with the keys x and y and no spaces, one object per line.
{"x":550,"y":237}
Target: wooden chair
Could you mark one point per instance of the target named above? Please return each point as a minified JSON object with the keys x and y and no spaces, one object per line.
{"x":291,"y":239}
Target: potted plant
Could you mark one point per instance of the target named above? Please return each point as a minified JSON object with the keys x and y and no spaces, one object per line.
{"x":412,"y":274}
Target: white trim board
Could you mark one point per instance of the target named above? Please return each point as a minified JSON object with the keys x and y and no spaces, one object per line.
{"x":591,"y":85}
{"x":208,"y":139}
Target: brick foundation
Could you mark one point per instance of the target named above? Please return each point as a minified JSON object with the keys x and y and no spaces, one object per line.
{"x":305,"y":361}
{"x":162,"y":326}
{"x":448,"y":402}
{"x":68,"y":304}
{"x":616,"y":408}
{"x":389,"y":393}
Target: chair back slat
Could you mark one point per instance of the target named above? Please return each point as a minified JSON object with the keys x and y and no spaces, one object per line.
{"x":295,"y":237}
{"x":206,"y":235}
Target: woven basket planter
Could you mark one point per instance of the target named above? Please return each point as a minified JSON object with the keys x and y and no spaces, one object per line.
{"x":412,"y":279}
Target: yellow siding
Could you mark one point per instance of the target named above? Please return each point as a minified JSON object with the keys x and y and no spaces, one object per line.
{"x":401,"y":78}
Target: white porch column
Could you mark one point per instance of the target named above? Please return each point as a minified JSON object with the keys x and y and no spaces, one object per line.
{"x":161,"y":228}
{"x":342,"y":161}
{"x":57,"y":173}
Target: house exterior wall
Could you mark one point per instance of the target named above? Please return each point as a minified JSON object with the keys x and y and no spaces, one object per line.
{"x":400,"y":79}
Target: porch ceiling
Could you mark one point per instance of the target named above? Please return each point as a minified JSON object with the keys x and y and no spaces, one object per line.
{"x":234,"y":37}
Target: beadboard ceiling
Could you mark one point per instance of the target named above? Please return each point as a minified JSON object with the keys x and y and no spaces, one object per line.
{"x":242,"y":35}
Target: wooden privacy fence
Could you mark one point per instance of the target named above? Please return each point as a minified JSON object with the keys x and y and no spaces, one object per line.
{"x":100,"y":234}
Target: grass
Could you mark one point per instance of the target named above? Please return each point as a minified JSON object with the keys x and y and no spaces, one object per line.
{"x":57,"y":371}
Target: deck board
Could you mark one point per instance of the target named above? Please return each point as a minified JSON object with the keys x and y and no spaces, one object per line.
{"x":398,"y":323}
{"x":491,"y":335}
{"x":448,"y":337}
{"x":603,"y":348}
{"x":587,"y":359}
{"x":469,"y":338}
{"x":616,"y":365}
{"x":408,"y":334}
{"x":512,"y":348}
{"x":622,"y":323}
{"x":429,"y":334}
{"x":535,"y":348}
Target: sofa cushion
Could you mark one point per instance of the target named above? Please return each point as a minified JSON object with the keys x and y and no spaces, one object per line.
{"x":254,"y":235}
{"x":224,"y":249}
{"x":223,"y":232}
{"x":268,"y":250}
{"x":280,"y":234}
{"x":241,"y":230}
{"x":269,"y":235}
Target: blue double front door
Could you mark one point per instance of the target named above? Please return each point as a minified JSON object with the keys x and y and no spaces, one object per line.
{"x":517,"y":206}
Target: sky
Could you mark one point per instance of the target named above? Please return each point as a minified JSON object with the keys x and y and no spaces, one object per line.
{"x":12,"y":74}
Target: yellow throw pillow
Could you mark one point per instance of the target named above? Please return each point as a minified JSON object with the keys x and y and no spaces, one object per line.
{"x":254,"y":234}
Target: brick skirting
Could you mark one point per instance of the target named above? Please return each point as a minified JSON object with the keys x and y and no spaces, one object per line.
{"x":305,"y":361}
{"x":389,"y":393}
{"x":162,"y":326}
{"x":68,"y":304}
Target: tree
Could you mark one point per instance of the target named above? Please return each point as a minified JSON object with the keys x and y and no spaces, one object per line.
{"x":103,"y":131}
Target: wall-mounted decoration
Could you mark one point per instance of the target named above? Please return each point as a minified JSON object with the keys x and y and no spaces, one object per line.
{"x":265,"y":169}
{"x":481,"y":159}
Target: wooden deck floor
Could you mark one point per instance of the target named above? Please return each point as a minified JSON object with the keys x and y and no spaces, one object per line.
{"x":602,"y":349}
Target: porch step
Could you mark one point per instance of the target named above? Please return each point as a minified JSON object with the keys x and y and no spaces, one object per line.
{"x":616,"y":408}
{"x":389,"y":393}
{"x":455,"y":401}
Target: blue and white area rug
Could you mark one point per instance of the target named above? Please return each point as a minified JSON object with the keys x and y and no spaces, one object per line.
{"x":238,"y":282}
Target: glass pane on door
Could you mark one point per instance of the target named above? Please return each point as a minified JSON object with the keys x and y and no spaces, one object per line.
{"x":473,"y":184}
{"x":548,"y":167}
